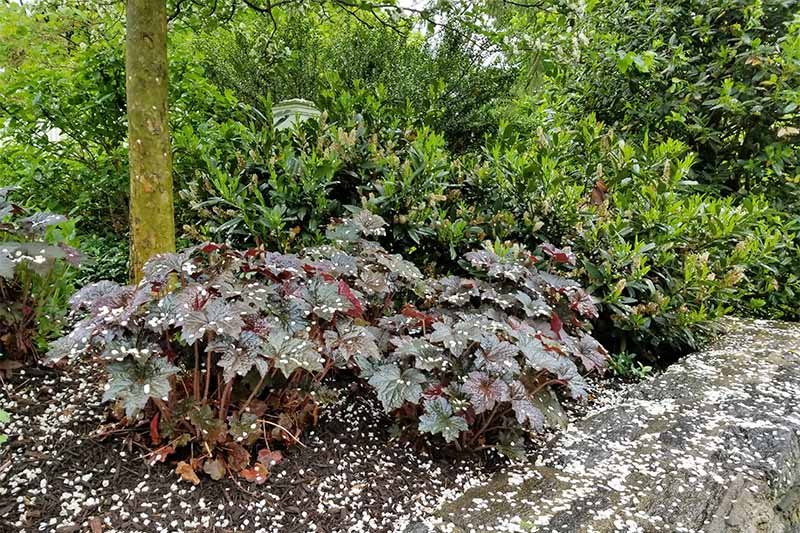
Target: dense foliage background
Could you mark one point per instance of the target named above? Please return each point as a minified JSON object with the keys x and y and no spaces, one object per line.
{"x":653,"y":142}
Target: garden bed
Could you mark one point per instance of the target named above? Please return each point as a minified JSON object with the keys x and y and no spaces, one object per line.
{"x":58,"y":473}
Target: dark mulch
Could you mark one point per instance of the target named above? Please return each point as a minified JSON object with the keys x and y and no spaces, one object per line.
{"x":57,"y":475}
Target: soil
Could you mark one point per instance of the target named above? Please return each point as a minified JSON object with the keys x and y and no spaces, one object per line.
{"x":58,"y":473}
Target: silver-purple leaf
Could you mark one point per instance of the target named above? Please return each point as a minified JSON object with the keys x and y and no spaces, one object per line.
{"x":485,"y":391}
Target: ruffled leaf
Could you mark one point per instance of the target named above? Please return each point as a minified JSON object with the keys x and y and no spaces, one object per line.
{"x":485,"y":391}
{"x":135,"y":382}
{"x":289,"y":353}
{"x":524,"y":409}
{"x":426,"y":356}
{"x":591,"y":352}
{"x":438,"y":419}
{"x":399,"y":266}
{"x":396,"y":387}
{"x":218,"y":317}
{"x":349,"y":340}
{"x":37,"y":223}
{"x":498,"y":357}
{"x":85,"y":297}
{"x":161,"y":266}
{"x":324,"y":299}
{"x":239,"y":358}
{"x":532,"y":308}
{"x":581,"y":302}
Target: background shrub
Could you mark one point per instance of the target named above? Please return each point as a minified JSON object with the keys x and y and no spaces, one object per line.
{"x":662,"y":257}
{"x":451,"y":78}
{"x":36,"y":278}
{"x":722,"y":77}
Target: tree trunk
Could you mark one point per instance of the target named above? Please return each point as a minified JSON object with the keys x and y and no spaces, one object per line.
{"x":151,"y":209}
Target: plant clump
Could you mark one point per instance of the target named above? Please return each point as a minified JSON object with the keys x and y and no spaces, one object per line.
{"x":221,"y":356}
{"x":477,"y":360}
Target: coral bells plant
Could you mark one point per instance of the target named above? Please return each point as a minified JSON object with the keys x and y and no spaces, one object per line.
{"x":34,"y":259}
{"x":476,"y":362}
{"x":225,"y":352}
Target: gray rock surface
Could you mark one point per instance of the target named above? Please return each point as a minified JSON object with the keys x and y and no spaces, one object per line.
{"x":712,"y":444}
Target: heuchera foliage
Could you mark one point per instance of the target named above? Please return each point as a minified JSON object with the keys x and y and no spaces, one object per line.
{"x":474,"y":363}
{"x":226,"y":351}
{"x":31,"y":260}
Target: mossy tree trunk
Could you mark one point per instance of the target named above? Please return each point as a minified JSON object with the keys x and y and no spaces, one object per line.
{"x":151,"y":209}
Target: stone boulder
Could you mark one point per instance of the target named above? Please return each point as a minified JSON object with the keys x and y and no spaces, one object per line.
{"x":712,"y":444}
